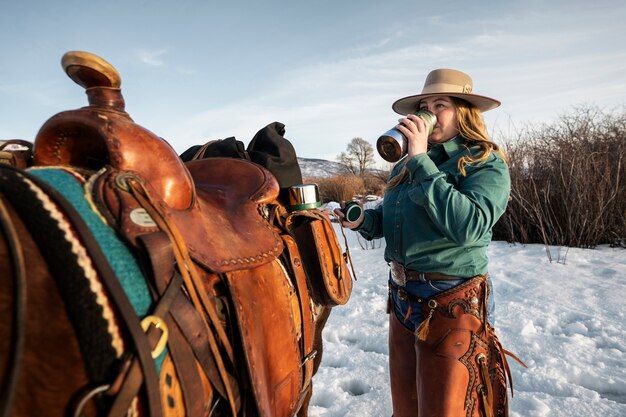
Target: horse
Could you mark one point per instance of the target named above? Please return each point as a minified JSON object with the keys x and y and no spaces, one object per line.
{"x":134,"y":283}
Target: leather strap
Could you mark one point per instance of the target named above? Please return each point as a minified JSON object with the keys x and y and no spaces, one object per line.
{"x":195,"y":289}
{"x":429,"y":276}
{"x":187,"y":332}
{"x":184,"y":362}
{"x":403,"y":295}
{"x":401,"y":275}
{"x":192,"y":328}
{"x":305,"y":310}
{"x":133,"y":381}
{"x":159,"y":252}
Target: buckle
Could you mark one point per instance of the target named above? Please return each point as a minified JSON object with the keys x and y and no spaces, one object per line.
{"x":159,"y":323}
{"x":398,"y":274}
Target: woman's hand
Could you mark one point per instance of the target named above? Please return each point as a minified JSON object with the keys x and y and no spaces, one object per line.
{"x":342,"y":217}
{"x":416,"y":131}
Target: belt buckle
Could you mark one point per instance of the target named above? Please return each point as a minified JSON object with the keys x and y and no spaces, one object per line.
{"x":398,"y":275}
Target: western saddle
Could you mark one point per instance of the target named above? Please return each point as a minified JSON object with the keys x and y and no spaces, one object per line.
{"x":212,"y":213}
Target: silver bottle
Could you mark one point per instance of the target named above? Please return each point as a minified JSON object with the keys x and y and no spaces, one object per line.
{"x":389,"y":144}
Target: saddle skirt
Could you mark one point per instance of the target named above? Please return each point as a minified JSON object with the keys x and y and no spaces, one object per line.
{"x":225,"y":230}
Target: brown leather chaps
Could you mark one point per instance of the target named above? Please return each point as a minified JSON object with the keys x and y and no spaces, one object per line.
{"x":458,"y":369}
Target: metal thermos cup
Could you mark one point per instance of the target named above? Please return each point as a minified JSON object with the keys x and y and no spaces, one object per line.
{"x":389,"y":144}
{"x":304,"y":197}
{"x":352,"y":210}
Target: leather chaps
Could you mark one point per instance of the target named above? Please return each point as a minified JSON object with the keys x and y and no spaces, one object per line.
{"x":456,"y":367}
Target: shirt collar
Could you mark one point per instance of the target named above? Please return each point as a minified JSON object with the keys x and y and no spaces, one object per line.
{"x":450,"y":147}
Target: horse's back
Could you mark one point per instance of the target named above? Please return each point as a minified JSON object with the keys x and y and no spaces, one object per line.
{"x":51,"y":376}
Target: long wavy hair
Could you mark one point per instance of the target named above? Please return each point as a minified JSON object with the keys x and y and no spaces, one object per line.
{"x":471,"y":126}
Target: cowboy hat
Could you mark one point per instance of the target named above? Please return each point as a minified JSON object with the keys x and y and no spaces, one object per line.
{"x":445,"y":82}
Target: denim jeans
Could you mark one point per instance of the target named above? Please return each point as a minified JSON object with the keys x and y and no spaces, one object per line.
{"x":425,"y":289}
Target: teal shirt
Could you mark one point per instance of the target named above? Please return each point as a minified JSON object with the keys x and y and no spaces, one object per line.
{"x":439,"y":220}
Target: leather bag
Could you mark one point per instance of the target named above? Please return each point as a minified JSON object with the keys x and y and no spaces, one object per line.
{"x":325,"y":263}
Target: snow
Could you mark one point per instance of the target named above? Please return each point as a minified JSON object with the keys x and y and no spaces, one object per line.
{"x":320,"y":168}
{"x":564,"y":319}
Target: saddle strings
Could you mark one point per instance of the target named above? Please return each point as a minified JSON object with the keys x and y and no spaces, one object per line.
{"x":192,"y":281}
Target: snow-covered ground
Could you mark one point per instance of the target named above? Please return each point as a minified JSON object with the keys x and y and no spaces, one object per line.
{"x":564,"y":319}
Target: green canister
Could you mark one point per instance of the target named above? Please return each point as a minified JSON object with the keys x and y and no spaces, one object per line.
{"x":353,"y":211}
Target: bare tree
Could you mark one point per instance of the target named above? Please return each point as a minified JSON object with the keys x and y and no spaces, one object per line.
{"x":359,"y":156}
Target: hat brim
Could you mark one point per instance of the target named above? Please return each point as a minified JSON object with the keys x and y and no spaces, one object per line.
{"x":409,"y":104}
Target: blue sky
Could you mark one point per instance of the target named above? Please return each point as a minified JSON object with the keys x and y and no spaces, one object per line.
{"x":328,"y":69}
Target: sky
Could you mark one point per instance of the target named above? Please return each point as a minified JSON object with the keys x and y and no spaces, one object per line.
{"x":571,"y":336}
{"x":194,"y":71}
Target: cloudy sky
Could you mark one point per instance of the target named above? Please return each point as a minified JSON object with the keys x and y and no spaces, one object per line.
{"x":328,"y":69}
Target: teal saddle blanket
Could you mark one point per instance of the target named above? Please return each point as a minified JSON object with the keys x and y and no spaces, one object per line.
{"x":117,"y":253}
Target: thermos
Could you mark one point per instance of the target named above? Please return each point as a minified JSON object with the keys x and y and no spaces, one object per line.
{"x":304,"y":197}
{"x":389,"y":144}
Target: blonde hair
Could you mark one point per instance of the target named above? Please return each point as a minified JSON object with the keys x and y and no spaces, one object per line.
{"x":471,"y":126}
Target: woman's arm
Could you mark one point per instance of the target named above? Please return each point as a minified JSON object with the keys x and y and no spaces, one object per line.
{"x":372,"y":225}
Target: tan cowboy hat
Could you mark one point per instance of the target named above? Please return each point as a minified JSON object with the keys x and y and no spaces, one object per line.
{"x":446,"y":82}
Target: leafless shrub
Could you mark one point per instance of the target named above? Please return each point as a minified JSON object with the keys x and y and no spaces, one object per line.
{"x":368,"y":244}
{"x":339,"y":188}
{"x":568,"y":182}
{"x":374,"y":184}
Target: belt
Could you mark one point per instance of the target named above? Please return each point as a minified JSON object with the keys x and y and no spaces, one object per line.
{"x":403,"y":295}
{"x":401,"y":275}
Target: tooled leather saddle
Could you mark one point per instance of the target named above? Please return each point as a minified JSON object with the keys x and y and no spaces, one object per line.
{"x":211,"y":209}
{"x":219,"y":222}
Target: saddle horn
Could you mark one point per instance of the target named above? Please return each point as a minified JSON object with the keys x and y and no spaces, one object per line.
{"x":102,"y":134}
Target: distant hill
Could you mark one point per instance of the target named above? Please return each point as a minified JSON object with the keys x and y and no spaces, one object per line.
{"x":321,"y":168}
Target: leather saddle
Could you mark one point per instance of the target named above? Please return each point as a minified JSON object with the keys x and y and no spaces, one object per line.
{"x":215,"y":205}
{"x":221,"y":224}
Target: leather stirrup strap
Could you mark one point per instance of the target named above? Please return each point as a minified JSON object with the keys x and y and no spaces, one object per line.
{"x":158,"y":250}
{"x":160,"y":254}
{"x":193,"y":284}
{"x":133,"y":380}
{"x":187,"y":322}
{"x":191,"y":325}
{"x":8,"y":387}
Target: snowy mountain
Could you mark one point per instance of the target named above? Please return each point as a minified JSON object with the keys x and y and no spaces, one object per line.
{"x":320,"y":168}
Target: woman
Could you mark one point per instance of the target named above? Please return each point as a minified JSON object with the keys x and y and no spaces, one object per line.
{"x":440,"y":205}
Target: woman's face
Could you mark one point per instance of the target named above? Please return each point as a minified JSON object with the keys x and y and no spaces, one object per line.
{"x":447,"y":125}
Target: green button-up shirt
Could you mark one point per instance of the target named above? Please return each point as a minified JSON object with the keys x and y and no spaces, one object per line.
{"x":439,"y":220}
